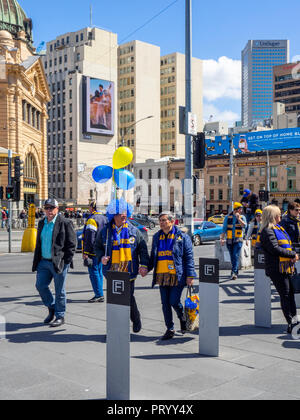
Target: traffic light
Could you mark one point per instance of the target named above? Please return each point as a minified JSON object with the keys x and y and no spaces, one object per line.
{"x":10,"y":192}
{"x":263,"y":196}
{"x":199,"y":151}
{"x":1,"y":193}
{"x":17,"y":190}
{"x":18,"y":168}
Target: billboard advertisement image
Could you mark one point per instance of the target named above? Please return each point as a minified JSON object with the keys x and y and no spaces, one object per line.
{"x":288,"y":138}
{"x":99,"y":115}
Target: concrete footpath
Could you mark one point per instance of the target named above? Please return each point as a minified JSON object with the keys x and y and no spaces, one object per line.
{"x":38,"y":362}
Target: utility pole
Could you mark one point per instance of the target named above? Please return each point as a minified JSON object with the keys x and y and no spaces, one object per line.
{"x":268,"y":176}
{"x":188,"y":184}
{"x":9,"y":201}
{"x":231,"y":174}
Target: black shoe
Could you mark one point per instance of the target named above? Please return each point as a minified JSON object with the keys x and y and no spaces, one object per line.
{"x":183,"y":326}
{"x":50,"y":317}
{"x":137,"y":326}
{"x":97,"y":299}
{"x":58,"y":322}
{"x":168,"y":335}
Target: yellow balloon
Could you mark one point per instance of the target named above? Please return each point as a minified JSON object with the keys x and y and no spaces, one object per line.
{"x":122,"y":157}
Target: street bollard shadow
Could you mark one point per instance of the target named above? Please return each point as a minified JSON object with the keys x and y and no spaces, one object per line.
{"x":291,"y":344}
{"x":50,"y":335}
{"x":236,"y":331}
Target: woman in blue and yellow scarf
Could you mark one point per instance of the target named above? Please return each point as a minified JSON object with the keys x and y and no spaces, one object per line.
{"x":173,"y":263}
{"x":280,"y":259}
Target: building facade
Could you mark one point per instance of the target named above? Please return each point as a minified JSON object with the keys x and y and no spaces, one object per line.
{"x":138,"y":99}
{"x":24,"y":95}
{"x":173,"y":81}
{"x":250,"y":172}
{"x":81,"y":69}
{"x":258,"y":59}
{"x":286,"y":86}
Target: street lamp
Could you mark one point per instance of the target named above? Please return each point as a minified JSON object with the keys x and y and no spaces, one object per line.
{"x":133,"y":125}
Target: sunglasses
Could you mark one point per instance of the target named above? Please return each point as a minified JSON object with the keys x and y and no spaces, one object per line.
{"x":50,"y":208}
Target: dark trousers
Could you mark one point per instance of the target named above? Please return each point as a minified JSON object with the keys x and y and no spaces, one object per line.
{"x":134,"y":312}
{"x":284,"y":288}
{"x":170,"y":298}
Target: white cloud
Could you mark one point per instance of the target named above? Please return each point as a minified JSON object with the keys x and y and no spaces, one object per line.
{"x":210,"y":110}
{"x":221,"y":79}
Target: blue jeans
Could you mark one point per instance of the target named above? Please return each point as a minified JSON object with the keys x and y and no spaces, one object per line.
{"x":45,"y":275}
{"x":170,"y":298}
{"x":235,"y":252}
{"x":96,"y":277}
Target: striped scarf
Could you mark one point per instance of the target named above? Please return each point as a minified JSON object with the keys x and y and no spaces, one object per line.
{"x":121,"y":252}
{"x":284,"y":241}
{"x":238,"y":233}
{"x":165,"y":269}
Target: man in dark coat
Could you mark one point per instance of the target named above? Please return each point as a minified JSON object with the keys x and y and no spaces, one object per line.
{"x":55,"y":248}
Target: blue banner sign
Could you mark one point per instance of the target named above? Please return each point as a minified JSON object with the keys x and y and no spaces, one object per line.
{"x":255,"y":142}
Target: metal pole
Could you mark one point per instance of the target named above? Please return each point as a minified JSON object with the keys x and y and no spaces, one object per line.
{"x":188,"y":187}
{"x":231,"y":175}
{"x":268,"y":176}
{"x":9,"y":201}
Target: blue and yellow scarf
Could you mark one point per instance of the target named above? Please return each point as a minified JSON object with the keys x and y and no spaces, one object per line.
{"x":238,"y":233}
{"x":285,"y":264}
{"x":121,"y":252}
{"x":165,"y":269}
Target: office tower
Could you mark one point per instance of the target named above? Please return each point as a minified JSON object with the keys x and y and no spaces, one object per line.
{"x":138,"y":99}
{"x":287,"y":86}
{"x":258,"y":59}
{"x":172,"y":82}
{"x":81,"y":69}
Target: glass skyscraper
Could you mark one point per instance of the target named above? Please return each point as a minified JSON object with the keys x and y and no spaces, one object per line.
{"x":258,"y":59}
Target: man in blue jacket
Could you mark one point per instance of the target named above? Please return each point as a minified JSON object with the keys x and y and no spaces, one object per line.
{"x":94,"y":223}
{"x":121,"y":247}
{"x":172,"y":259}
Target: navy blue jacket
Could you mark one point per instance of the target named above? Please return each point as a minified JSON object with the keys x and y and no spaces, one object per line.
{"x":183,"y":256}
{"x":139,"y":250}
{"x":291,"y":227}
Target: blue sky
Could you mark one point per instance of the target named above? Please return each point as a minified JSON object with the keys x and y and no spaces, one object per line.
{"x":220,"y":29}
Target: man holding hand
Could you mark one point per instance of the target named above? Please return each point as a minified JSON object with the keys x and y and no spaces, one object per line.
{"x":234,"y":228}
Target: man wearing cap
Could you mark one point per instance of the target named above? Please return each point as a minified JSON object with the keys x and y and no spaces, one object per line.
{"x":234,"y":228}
{"x":55,"y":248}
{"x":254,"y":229}
{"x":95,"y":223}
{"x":121,"y":247}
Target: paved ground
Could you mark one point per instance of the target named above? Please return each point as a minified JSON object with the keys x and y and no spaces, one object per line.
{"x":70,"y":363}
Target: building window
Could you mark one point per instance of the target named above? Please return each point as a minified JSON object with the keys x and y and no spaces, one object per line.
{"x":150,"y":174}
{"x":211,"y":194}
{"x":220,"y":179}
{"x":220,"y":194}
{"x":291,"y":185}
{"x":241,"y":172}
{"x":241,"y":189}
{"x":211,"y":180}
{"x":141,"y":174}
{"x":273,"y":171}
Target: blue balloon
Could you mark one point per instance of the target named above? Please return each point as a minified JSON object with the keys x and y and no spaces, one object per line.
{"x":124,"y":179}
{"x":102,"y":174}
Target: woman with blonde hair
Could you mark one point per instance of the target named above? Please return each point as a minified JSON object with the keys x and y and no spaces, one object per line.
{"x":280,"y":261}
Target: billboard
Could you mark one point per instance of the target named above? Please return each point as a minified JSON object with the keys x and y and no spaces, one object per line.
{"x":98,"y":98}
{"x":288,"y":138}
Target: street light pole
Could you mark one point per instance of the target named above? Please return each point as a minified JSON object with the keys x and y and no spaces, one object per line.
{"x":231,"y":175}
{"x":133,"y":125}
{"x":188,"y":187}
{"x":268,"y":176}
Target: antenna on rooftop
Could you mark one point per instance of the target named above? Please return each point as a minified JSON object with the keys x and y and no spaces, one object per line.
{"x":91,"y":15}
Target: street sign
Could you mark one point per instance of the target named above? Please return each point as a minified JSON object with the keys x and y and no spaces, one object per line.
{"x":262,"y":292}
{"x":192,"y":124}
{"x":118,"y":288}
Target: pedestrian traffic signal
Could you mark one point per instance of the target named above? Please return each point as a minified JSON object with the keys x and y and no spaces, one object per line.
{"x":1,"y":193}
{"x":17,"y":190}
{"x":9,"y":192}
{"x":199,"y":151}
{"x":18,"y":168}
{"x":264,"y":196}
